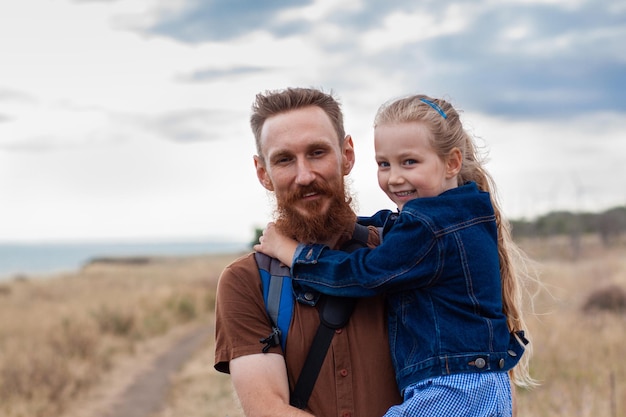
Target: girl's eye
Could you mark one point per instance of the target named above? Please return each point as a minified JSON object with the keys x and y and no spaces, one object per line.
{"x":383,"y":164}
{"x":410,"y":162}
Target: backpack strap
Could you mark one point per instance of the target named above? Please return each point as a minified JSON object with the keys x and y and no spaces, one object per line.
{"x":359,"y":238}
{"x":278,"y":298}
{"x":334,"y":314}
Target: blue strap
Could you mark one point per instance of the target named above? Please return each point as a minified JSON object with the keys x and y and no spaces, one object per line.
{"x":278,"y":298}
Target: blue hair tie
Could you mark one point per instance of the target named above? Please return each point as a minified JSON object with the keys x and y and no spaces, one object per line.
{"x":435,"y":106}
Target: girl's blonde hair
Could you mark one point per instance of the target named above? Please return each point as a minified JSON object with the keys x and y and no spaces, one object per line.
{"x":444,"y":123}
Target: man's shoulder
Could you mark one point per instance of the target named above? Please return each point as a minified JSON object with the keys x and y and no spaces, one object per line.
{"x":242,"y":269}
{"x":244,"y":261}
{"x":240,"y":283}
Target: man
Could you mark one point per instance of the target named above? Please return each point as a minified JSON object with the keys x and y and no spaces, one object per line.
{"x":303,"y":156}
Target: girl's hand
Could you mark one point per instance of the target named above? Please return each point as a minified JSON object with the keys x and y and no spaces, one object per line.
{"x":276,"y":245}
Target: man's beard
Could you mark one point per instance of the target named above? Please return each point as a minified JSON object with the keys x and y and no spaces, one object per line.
{"x":315,"y":226}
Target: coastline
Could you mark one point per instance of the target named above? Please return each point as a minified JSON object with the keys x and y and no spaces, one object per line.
{"x":44,"y":260}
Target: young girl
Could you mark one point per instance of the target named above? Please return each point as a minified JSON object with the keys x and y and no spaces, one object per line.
{"x":445,"y":263}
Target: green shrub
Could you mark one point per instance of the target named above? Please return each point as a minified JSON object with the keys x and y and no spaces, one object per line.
{"x":611,"y":298}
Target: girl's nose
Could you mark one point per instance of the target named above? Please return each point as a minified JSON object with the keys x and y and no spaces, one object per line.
{"x":395,"y":177}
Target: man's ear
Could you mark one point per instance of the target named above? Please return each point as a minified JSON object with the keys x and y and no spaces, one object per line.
{"x":454,"y":163}
{"x":262,"y":174}
{"x":348,"y":156}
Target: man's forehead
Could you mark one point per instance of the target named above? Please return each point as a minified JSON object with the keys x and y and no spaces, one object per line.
{"x":298,"y":130}
{"x":310,"y":117}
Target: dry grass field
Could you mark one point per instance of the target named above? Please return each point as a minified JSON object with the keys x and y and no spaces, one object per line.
{"x":65,"y":337}
{"x":579,"y":330}
{"x":62,"y":337}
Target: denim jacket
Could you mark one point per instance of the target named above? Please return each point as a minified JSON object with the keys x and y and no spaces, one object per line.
{"x":439,"y":267}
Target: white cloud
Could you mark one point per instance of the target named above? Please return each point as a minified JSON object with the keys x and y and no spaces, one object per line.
{"x":141,"y":188}
{"x":540,"y":166}
{"x":44,"y":127}
{"x":565,"y":4}
{"x":105,"y":133}
{"x":518,"y":32}
{"x":319,"y":10}
{"x":400,"y":28}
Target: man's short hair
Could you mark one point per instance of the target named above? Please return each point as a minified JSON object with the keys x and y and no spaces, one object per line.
{"x":271,"y":103}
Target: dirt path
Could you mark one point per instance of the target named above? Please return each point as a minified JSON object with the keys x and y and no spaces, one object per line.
{"x":148,"y":393}
{"x":138,"y":386}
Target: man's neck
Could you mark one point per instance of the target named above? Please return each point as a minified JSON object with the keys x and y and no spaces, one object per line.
{"x":341,"y":237}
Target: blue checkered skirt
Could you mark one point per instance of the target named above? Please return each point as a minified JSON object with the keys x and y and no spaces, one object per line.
{"x":460,"y":395}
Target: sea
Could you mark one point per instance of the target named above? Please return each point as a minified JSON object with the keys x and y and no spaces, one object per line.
{"x":42,"y":260}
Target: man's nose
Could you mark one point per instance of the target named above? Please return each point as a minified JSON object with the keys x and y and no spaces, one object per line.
{"x":305,"y":174}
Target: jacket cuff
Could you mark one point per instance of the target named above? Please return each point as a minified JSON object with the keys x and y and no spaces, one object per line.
{"x":307,"y":254}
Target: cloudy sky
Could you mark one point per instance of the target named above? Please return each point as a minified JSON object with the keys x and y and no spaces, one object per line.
{"x":129,"y":119}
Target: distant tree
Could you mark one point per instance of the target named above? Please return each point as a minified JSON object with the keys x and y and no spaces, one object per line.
{"x":523,"y":228}
{"x":257,"y":235}
{"x":611,"y":224}
{"x":557,"y":223}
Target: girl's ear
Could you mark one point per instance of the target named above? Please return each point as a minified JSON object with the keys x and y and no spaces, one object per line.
{"x":262,"y":174}
{"x":454,"y":163}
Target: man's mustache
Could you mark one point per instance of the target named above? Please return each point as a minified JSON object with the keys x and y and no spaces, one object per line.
{"x":305,"y":191}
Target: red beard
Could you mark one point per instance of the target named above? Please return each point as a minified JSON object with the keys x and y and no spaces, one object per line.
{"x":315,"y":226}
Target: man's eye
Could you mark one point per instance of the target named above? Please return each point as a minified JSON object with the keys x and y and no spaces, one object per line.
{"x":318,"y":153}
{"x":282,"y":160}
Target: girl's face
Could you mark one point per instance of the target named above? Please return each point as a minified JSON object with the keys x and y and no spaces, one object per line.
{"x":408,"y":166}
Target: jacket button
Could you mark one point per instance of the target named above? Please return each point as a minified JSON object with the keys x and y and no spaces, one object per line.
{"x":480,"y":363}
{"x":308,"y":296}
{"x":512,"y":353}
{"x":501,"y":363}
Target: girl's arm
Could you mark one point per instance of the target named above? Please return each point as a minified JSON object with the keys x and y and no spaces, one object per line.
{"x":276,"y":245}
{"x":408,"y":258}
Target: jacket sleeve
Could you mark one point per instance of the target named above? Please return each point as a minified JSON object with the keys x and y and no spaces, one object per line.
{"x":409,"y":257}
{"x":379,"y":219}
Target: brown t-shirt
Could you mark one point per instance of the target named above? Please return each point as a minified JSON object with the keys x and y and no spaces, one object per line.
{"x":357,"y":377}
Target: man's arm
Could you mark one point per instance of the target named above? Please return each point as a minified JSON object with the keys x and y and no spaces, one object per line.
{"x":260,"y":381}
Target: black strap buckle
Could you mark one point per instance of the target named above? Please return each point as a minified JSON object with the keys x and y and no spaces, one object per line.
{"x":272,"y":340}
